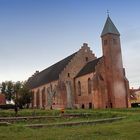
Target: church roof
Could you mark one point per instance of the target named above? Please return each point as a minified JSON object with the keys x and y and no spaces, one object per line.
{"x":109,"y":27}
{"x":89,"y":67}
{"x":49,"y":74}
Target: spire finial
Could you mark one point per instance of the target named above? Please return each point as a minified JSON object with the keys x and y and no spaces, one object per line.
{"x":107,"y":12}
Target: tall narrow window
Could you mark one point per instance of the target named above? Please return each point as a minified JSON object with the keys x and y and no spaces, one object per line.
{"x":37,"y":98}
{"x":79,"y":88}
{"x":111,"y":105}
{"x":33,"y":99}
{"x":89,"y":86}
{"x":86,"y":59}
{"x":115,"y":41}
{"x":43,"y":97}
{"x":105,"y":42}
{"x":68,"y":74}
{"x":90,"y":105}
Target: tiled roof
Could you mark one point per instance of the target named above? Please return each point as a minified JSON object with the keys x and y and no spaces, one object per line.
{"x":89,"y":67}
{"x":109,"y":28}
{"x":50,"y":74}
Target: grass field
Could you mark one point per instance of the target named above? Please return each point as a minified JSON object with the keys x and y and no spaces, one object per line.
{"x":126,"y":129}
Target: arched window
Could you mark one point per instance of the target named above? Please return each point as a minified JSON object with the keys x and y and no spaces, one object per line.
{"x":33,"y":99}
{"x":43,"y":97}
{"x":79,"y":88}
{"x":37,"y":98}
{"x":89,"y":86}
{"x":105,"y":42}
{"x":86,"y":59}
{"x":90,"y":105}
{"x":68,"y":74}
{"x":115,"y":41}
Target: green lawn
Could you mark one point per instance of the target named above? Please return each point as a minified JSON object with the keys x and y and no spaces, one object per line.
{"x":126,"y":129}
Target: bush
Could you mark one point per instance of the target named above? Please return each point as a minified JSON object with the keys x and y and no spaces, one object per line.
{"x":7,"y":106}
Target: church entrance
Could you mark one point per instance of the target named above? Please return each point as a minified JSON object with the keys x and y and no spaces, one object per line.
{"x":83,"y":106}
{"x":90,"y":105}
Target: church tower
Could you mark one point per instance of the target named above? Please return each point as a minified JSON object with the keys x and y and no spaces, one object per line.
{"x":114,"y":72}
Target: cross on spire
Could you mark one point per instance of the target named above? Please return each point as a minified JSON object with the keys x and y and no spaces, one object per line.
{"x":107,"y":12}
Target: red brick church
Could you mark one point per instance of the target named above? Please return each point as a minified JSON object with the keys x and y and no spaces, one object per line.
{"x":82,"y":80}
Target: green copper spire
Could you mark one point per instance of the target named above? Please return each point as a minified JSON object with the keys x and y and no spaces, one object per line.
{"x":109,"y":28}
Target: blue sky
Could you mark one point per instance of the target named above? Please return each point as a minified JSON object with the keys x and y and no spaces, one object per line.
{"x":34,"y":34}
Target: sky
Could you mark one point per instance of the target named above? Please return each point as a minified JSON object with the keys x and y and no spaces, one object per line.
{"x":35,"y":34}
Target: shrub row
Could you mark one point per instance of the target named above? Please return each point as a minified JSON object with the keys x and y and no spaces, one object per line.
{"x":7,"y":106}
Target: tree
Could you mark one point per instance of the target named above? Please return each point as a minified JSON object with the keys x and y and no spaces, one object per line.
{"x":18,"y":92}
{"x":3,"y":88}
{"x":24,"y":97}
{"x":17,"y":86}
{"x":7,"y":90}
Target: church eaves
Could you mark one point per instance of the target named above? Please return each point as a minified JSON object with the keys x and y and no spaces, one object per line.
{"x":109,"y":28}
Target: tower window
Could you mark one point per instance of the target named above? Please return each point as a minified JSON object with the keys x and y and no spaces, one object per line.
{"x":105,"y":42}
{"x":114,"y":41}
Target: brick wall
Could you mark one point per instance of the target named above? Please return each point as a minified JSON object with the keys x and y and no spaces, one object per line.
{"x":85,"y":98}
